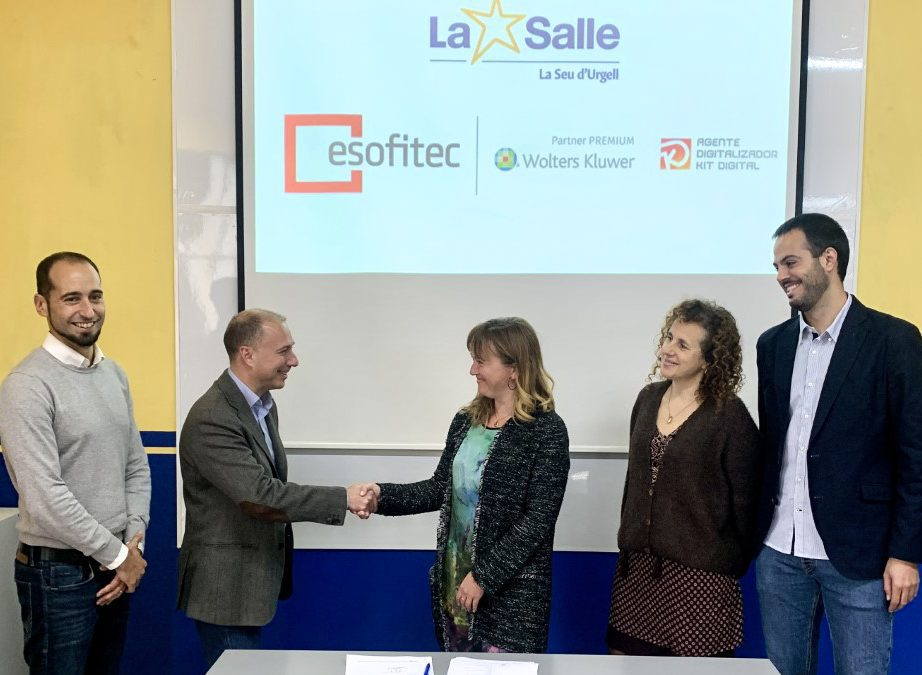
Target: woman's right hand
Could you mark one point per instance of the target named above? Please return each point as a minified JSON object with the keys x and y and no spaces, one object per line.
{"x":362,"y":498}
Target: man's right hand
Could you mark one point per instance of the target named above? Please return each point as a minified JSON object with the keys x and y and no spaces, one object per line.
{"x":132,"y":569}
{"x":362,"y":498}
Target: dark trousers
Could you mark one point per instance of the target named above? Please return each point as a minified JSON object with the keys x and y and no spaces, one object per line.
{"x":64,"y":630}
{"x":216,"y":638}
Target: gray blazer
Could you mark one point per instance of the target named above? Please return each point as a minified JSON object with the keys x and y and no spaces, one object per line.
{"x":238,"y":509}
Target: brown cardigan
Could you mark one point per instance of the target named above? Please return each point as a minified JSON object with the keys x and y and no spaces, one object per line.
{"x":702,"y":511}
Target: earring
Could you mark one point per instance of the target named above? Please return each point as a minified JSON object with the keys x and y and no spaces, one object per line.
{"x":512,"y":384}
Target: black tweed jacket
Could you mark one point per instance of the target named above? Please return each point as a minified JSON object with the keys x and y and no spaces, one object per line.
{"x":523,"y":483}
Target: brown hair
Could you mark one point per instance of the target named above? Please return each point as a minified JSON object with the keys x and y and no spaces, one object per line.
{"x":43,"y":271}
{"x":515,"y":342}
{"x":246,"y":328}
{"x":723,"y":375}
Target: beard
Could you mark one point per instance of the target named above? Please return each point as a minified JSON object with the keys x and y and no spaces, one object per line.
{"x":814,"y":286}
{"x":79,"y":338}
{"x":85,"y":340}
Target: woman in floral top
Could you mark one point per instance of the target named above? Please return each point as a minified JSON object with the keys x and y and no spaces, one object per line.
{"x":498,"y":487}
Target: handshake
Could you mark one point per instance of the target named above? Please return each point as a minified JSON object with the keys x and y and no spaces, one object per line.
{"x":362,"y":498}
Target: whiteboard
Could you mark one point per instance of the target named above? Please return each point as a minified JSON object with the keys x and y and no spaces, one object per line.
{"x":206,"y":283}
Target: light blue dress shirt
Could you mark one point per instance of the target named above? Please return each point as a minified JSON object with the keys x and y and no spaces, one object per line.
{"x":260,"y":407}
{"x":793,"y":529}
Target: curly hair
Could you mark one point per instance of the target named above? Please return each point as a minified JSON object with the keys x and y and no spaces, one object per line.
{"x":723,"y":374}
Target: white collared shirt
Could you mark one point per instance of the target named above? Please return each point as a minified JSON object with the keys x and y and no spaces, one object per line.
{"x":793,"y":529}
{"x":70,"y":356}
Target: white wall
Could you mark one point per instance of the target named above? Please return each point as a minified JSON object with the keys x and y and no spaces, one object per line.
{"x":206,"y":264}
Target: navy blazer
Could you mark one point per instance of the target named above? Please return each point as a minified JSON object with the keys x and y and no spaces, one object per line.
{"x":864,"y":459}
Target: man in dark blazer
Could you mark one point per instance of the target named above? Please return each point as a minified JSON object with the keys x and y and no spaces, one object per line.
{"x":840,"y":407}
{"x":235,"y":560}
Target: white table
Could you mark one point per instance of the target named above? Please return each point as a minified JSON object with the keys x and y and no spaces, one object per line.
{"x":246,"y":662}
{"x":11,"y":660}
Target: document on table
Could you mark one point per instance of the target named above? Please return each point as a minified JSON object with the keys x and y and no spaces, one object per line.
{"x":388,"y":665}
{"x":462,"y":665}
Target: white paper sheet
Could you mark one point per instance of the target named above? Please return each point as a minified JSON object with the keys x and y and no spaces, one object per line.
{"x":462,"y":665}
{"x":388,"y":665}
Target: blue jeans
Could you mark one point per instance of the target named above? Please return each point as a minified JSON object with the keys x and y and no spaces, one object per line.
{"x":794,"y":592}
{"x":216,"y":638}
{"x":64,"y":631}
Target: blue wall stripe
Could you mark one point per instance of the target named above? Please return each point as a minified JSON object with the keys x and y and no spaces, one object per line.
{"x":158,"y":439}
{"x":387,"y":591}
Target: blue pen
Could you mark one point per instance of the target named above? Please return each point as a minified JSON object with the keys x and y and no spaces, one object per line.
{"x":426,"y":671}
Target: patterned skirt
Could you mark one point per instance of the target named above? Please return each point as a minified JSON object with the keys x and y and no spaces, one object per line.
{"x":686,"y":611}
{"x":459,"y":640}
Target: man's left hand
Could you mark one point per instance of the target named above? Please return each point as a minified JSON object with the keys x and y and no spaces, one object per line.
{"x":901,"y":583}
{"x":111,"y":592}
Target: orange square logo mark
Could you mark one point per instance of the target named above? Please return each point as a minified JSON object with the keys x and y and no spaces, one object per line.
{"x":675,"y":154}
{"x":292,"y":122}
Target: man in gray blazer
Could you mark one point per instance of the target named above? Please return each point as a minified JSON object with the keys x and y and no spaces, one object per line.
{"x":235,"y":559}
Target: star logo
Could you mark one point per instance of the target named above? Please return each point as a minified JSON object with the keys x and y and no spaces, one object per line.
{"x":495,"y":28}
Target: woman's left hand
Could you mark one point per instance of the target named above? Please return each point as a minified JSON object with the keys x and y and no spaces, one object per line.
{"x":469,"y":593}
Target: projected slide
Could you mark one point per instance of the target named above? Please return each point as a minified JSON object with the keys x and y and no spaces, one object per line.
{"x":520,"y":137}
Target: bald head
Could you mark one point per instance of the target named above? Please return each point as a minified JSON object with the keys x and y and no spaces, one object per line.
{"x":261,"y":349}
{"x":246,"y":328}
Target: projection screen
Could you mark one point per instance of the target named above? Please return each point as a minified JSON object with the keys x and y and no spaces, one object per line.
{"x":409,"y":169}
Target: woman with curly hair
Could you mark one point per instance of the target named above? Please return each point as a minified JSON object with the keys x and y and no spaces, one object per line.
{"x":690,"y":495}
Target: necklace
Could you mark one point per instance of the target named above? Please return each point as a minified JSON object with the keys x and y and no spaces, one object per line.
{"x":669,"y":406}
{"x":496,"y":421}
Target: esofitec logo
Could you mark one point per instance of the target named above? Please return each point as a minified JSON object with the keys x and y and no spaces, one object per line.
{"x":397,"y":151}
{"x":675,"y":153}
{"x":505,"y":159}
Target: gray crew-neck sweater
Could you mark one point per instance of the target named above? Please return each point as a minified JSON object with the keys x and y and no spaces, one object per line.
{"x":74,"y":454}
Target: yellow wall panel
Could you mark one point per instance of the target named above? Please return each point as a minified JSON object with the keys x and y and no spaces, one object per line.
{"x":86,"y":164}
{"x":891,"y":235}
{"x":85,"y":161}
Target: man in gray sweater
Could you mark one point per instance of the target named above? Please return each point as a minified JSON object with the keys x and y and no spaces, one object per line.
{"x":74,"y":454}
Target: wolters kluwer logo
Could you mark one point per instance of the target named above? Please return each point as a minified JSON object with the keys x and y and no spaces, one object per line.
{"x":505,"y":159}
{"x":675,"y":153}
